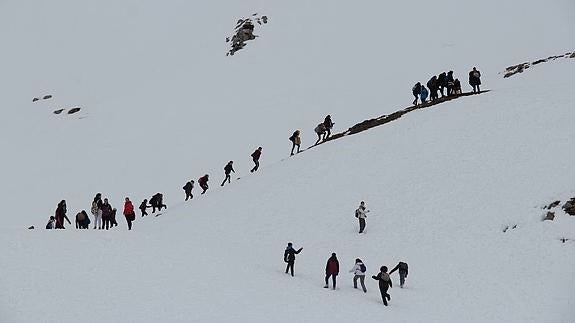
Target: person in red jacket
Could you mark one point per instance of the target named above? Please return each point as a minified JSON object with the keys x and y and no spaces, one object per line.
{"x":256,"y":158}
{"x":129,"y":212}
{"x":331,"y":269}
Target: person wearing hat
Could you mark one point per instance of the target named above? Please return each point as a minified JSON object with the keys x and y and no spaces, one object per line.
{"x":331,"y":269}
{"x":228,"y":169}
{"x":289,"y":257}
{"x":188,"y":189}
{"x":256,"y":158}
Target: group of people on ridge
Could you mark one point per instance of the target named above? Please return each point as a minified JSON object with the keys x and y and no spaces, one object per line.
{"x":359,"y":271}
{"x":445,"y":84}
{"x":323,"y":131}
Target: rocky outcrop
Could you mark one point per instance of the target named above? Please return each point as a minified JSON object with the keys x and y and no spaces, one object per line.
{"x":520,"y":68}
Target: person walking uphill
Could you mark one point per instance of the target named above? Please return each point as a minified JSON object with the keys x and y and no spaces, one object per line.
{"x":331,"y":269}
{"x":289,"y":257}
{"x":416,"y":91}
{"x":403,"y":269}
{"x":129,"y":212}
{"x":328,"y":126}
{"x":296,"y":141}
{"x":475,"y":80}
{"x":384,"y":284}
{"x":143,"y":207}
{"x":360,"y":214}
{"x":60,"y":215}
{"x":188,"y":189}
{"x":433,"y":86}
{"x":203,"y":181}
{"x":157,"y":201}
{"x":228,"y":169}
{"x":358,"y":271}
{"x":424,"y":94}
{"x":256,"y":158}
{"x":320,"y":131}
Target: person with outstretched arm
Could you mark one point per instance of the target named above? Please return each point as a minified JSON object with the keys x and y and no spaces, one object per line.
{"x":403,"y":270}
{"x":289,"y":257}
{"x":384,"y":284}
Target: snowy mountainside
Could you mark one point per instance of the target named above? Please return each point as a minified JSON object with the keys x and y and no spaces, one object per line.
{"x":164,"y":105}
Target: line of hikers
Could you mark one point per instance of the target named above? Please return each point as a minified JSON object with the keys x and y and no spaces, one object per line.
{"x":446,"y":84}
{"x":322,"y":130}
{"x":359,"y":271}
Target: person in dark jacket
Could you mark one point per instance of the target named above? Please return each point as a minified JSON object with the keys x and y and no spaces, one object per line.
{"x":228,"y":169}
{"x":256,"y":158}
{"x":82,"y":220}
{"x":51,"y":223}
{"x":331,"y":269}
{"x":296,"y":141}
{"x":403,"y":269}
{"x":107,"y":214}
{"x":450,"y":83}
{"x":289,"y":257}
{"x":432,"y":84}
{"x":203,"y":181}
{"x":456,"y":87}
{"x":416,"y":90}
{"x":320,"y":131}
{"x":143,"y":207}
{"x":384,"y":284}
{"x":475,"y":80}
{"x":157,"y":201}
{"x":328,"y":126}
{"x":129,"y":212}
{"x":442,"y":82}
{"x":60,"y":215}
{"x":188,"y":189}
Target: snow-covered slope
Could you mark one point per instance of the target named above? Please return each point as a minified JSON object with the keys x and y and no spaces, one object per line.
{"x":162,"y":104}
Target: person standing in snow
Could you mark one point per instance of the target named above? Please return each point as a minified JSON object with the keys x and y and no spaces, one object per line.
{"x":256,"y":158}
{"x":328,"y":126}
{"x":296,"y":141}
{"x":96,"y":210}
{"x":107,"y":214}
{"x":475,"y":80}
{"x":51,"y":223}
{"x":442,"y":82}
{"x":82,"y":220}
{"x":403,"y":269}
{"x":423,"y":94}
{"x":60,"y":215}
{"x":289,"y":257}
{"x":143,"y":207}
{"x":331,"y":269}
{"x":320,"y":131}
{"x":432,"y":84}
{"x":384,"y":284}
{"x":450,"y":83}
{"x":416,"y":91}
{"x":228,"y":169}
{"x":360,"y":214}
{"x":358,"y":271}
{"x":203,"y":181}
{"x":129,"y":212}
{"x":188,"y":189}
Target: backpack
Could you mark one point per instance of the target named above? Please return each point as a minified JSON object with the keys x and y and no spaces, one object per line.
{"x":292,"y":138}
{"x":94,"y":209}
{"x":357,"y":213}
{"x":362,"y":268}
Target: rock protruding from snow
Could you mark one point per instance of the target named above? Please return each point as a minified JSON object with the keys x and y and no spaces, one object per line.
{"x":244,"y":31}
{"x":569,"y":207}
{"x":520,"y":68}
{"x":549,"y":216}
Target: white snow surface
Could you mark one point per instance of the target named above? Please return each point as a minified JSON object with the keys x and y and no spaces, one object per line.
{"x":162,"y":104}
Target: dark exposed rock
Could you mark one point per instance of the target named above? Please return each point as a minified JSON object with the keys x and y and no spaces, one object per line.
{"x":569,"y":207}
{"x":552,"y":205}
{"x":549,"y":216}
{"x":572,"y":55}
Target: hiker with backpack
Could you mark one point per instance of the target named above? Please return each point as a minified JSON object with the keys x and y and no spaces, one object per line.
{"x":475,"y":80}
{"x":331,"y":269}
{"x":228,"y":169}
{"x":188,"y":189}
{"x":361,"y":215}
{"x":143,"y":207}
{"x":203,"y":181}
{"x":289,"y":257}
{"x":328,"y":126}
{"x":442,"y":82}
{"x":384,"y":284}
{"x":416,"y":90}
{"x":320,"y":131}
{"x":402,"y":268}
{"x":51,"y":223}
{"x":358,"y":271}
{"x":60,"y":215}
{"x":432,"y":84}
{"x":129,"y":212}
{"x":82,"y":220}
{"x":157,"y":202}
{"x":296,"y":141}
{"x":423,"y":94}
{"x":256,"y":158}
{"x":96,"y":210}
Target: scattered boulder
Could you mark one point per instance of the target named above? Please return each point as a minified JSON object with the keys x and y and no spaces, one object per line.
{"x":549,"y":217}
{"x":569,"y":207}
{"x":243,"y":32}
{"x":552,"y":205}
{"x":572,"y":55}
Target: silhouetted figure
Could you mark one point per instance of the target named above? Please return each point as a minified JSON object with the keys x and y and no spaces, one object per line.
{"x":157,"y":202}
{"x":320,"y":131}
{"x":475,"y":80}
{"x":188,"y":189}
{"x":416,"y":91}
{"x":143,"y":207}
{"x":384,"y":284}
{"x":331,"y":269}
{"x":328,"y":126}
{"x":403,"y":271}
{"x":423,"y":94}
{"x":296,"y":141}
{"x":51,"y":223}
{"x":107,"y":215}
{"x":442,"y":82}
{"x":289,"y":257}
{"x":228,"y":169}
{"x":433,"y":85}
{"x":456,"y":87}
{"x":450,"y":83}
{"x":61,"y":215}
{"x":256,"y":158}
{"x":203,"y":181}
{"x":82,"y":220}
